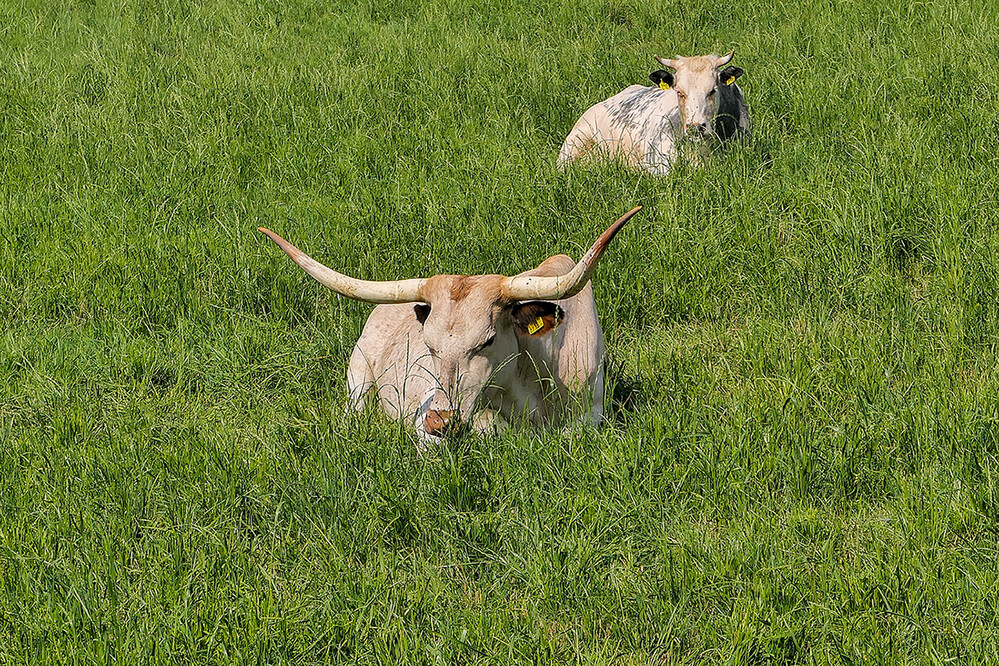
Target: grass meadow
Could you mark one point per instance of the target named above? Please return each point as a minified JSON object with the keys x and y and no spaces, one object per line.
{"x":801,"y":459}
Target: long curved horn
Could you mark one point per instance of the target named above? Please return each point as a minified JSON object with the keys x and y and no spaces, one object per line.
{"x":725,"y":59}
{"x":666,"y":62}
{"x":533,"y":287}
{"x":398,"y":291}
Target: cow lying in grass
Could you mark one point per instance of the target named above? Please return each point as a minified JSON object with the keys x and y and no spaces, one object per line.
{"x":481,"y":350}
{"x":643,"y":125}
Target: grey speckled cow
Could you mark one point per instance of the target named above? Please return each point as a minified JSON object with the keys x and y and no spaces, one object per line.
{"x":485,"y":350}
{"x":642,"y":125}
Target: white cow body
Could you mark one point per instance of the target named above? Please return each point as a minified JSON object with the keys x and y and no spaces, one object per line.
{"x":640,"y":125}
{"x":534,"y":380}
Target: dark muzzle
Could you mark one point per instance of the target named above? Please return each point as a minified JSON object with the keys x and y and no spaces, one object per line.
{"x":696,"y":129}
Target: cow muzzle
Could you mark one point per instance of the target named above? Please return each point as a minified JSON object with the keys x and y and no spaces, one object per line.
{"x":437,"y":422}
{"x":696,"y":130}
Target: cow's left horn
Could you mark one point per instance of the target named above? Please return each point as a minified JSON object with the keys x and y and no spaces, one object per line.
{"x":725,"y":59}
{"x":395,"y":291}
{"x":666,"y":62}
{"x":531,"y":287}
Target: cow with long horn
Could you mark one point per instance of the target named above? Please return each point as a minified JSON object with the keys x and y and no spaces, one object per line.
{"x":698,"y":101}
{"x":482,"y":350}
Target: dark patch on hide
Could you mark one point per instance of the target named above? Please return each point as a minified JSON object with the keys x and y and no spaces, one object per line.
{"x":732,"y":112}
{"x":630,"y":111}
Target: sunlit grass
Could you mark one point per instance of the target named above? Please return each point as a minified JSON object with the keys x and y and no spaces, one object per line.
{"x":799,"y":462}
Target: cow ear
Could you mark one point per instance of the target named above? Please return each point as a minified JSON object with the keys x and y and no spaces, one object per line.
{"x":535,"y":319}
{"x":422,"y":311}
{"x":662,"y":78}
{"x":730,"y":74}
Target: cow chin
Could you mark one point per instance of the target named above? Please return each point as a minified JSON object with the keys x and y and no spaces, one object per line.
{"x":699,"y":136}
{"x":695,"y":137}
{"x":699,"y":146}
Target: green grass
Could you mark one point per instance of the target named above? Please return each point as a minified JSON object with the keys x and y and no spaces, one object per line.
{"x":801,"y":463}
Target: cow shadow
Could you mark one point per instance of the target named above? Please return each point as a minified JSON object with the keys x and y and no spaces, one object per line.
{"x":626,"y":391}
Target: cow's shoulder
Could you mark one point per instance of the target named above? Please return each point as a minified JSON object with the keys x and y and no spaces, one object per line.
{"x":389,"y":323}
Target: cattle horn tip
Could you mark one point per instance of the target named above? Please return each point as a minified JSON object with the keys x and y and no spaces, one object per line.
{"x":274,"y":237}
{"x":288,"y":248}
{"x":627,"y":216}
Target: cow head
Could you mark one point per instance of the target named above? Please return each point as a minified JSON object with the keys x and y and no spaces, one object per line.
{"x":474,"y":327}
{"x":699,"y":82}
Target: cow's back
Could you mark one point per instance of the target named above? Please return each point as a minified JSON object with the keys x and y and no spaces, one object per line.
{"x":636,"y":125}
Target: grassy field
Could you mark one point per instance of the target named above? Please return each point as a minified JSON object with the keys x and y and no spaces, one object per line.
{"x":802,"y":459}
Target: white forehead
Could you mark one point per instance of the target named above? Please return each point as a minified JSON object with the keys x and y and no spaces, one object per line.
{"x":455,"y":326}
{"x":459,"y":327}
{"x":696,"y":72}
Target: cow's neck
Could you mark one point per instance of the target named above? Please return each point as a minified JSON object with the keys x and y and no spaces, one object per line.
{"x":729,"y":117}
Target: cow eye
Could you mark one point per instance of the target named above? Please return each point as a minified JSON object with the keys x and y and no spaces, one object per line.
{"x":492,"y":339}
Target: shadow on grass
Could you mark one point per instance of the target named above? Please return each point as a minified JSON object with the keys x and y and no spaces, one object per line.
{"x":626,"y":393}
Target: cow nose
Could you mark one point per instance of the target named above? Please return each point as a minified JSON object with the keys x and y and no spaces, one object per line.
{"x":436,"y":422}
{"x":698,"y":128}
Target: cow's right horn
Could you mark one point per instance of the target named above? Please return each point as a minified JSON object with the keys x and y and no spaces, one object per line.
{"x":531,"y":287}
{"x":397,"y":291}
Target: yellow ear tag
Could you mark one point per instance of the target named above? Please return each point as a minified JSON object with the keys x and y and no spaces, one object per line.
{"x":538,"y":324}
{"x":730,"y":80}
{"x":663,"y":85}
